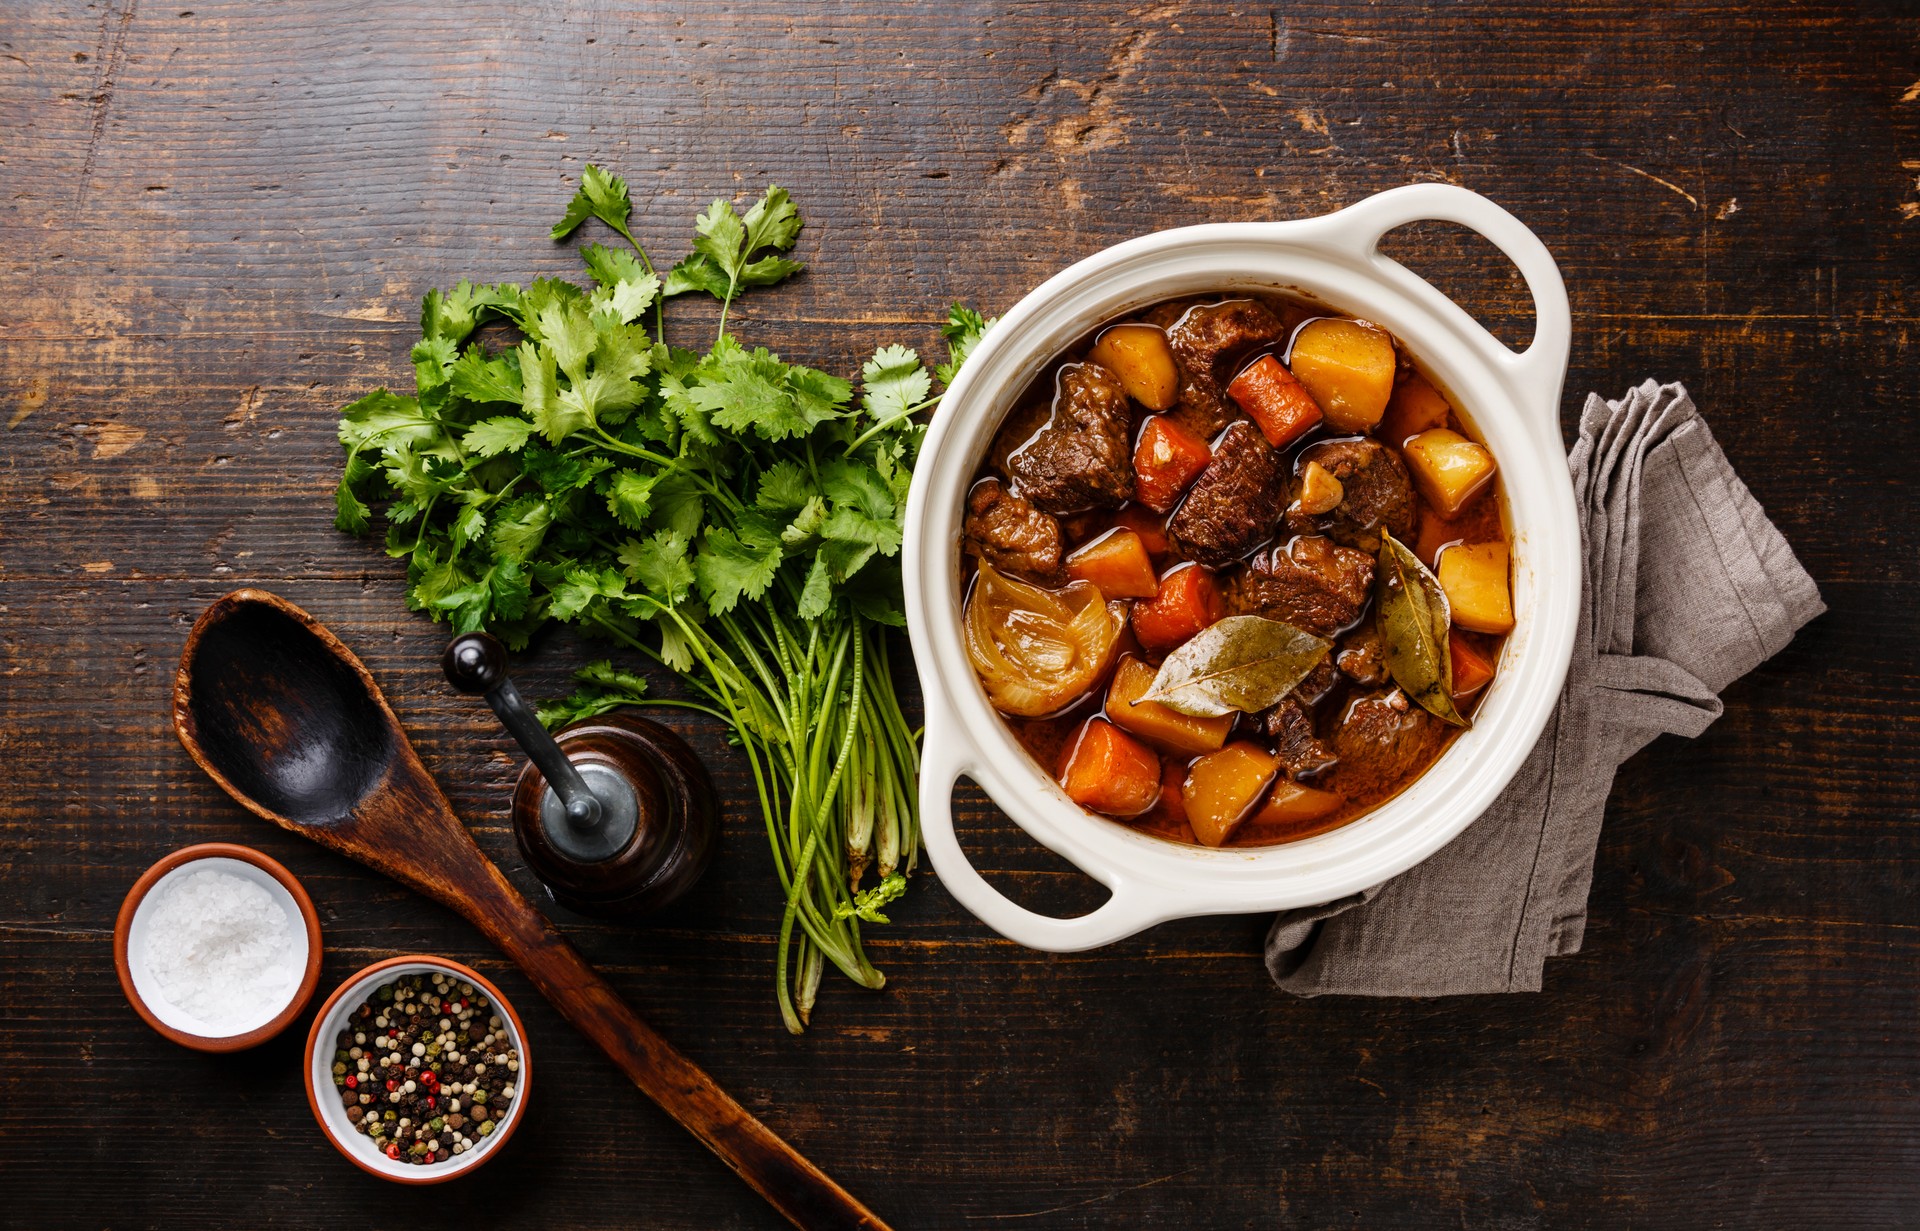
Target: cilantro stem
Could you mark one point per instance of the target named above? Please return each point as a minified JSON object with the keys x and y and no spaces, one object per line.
{"x":890,"y":420}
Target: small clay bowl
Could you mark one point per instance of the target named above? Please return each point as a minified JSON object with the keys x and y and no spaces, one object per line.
{"x":143,"y":990}
{"x":324,"y":1097}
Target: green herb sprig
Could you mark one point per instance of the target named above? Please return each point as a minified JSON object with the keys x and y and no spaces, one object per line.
{"x":728,"y":515}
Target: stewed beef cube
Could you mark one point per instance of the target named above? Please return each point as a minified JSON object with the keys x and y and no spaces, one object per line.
{"x":1290,"y":726}
{"x":1382,"y":739}
{"x":1009,"y":533}
{"x":1362,"y":655}
{"x":1236,"y":502}
{"x":1208,"y":340}
{"x":1083,"y":457}
{"x":1307,"y":581}
{"x":1376,"y":492}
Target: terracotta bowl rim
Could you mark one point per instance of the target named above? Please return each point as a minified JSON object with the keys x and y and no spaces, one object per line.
{"x":433,"y":1173}
{"x":123,"y":928}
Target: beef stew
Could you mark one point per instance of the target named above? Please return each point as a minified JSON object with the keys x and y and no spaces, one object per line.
{"x":1244,"y":497}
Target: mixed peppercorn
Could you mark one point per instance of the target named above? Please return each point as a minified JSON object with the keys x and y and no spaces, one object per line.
{"x":426,"y":1068}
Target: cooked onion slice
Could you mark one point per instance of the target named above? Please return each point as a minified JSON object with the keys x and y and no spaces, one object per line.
{"x":1038,"y":651}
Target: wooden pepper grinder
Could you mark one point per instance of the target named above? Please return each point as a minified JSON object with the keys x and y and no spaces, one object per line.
{"x":615,"y":815}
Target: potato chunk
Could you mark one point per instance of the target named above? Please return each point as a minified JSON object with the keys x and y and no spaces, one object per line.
{"x":1223,"y":787}
{"x":1415,"y":407}
{"x":1475,"y":579}
{"x":1293,"y":804}
{"x":1156,"y":723}
{"x":1448,"y":468}
{"x":1347,"y":367}
{"x":1140,"y":357}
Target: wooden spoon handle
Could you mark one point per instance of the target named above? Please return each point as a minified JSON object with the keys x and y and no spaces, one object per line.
{"x":798,"y":1189}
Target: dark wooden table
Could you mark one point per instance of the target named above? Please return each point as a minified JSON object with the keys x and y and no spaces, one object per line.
{"x":216,"y":220}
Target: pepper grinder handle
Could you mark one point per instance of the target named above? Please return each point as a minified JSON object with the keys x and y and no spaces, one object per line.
{"x":477,"y":663}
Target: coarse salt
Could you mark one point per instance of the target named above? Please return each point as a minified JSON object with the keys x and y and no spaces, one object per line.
{"x":221,"y":949}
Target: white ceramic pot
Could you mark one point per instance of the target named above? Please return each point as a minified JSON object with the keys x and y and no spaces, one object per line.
{"x":1512,"y":399}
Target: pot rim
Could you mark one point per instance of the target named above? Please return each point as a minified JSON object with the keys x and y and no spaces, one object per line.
{"x":1511,"y":397}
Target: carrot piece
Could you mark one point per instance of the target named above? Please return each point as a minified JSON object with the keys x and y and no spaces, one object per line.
{"x":1149,"y":525}
{"x":1471,"y":669}
{"x":1189,"y":600}
{"x":1156,"y":723}
{"x":1117,"y":564}
{"x":1166,"y":458}
{"x":1109,"y":771}
{"x":1275,"y":400}
{"x":1223,"y":787}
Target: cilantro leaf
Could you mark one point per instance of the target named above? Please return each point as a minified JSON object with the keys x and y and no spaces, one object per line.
{"x":723,"y":261}
{"x":479,"y":377}
{"x":660,"y":564}
{"x":784,"y":485}
{"x":602,"y":688}
{"x":492,"y":437}
{"x":963,"y":331}
{"x":612,"y":266}
{"x":601,"y":195}
{"x":629,"y":497}
{"x":728,"y":570}
{"x":895,"y":383}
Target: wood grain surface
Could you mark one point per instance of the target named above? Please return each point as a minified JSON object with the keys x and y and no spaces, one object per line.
{"x":216,"y":220}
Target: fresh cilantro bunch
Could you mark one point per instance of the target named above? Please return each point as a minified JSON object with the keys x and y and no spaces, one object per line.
{"x":727,"y":514}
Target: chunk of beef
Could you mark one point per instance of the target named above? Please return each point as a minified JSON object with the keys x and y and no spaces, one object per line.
{"x":1236,"y":502}
{"x":1082,"y":458}
{"x":1308,"y":582}
{"x":1207,"y":340}
{"x":1009,"y":533}
{"x":1383,"y":739}
{"x":1376,"y":491}
{"x":1290,"y":726}
{"x":1362,"y":655}
{"x":1318,"y":682}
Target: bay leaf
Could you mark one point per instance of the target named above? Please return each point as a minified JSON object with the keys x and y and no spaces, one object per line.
{"x":1243,"y":663}
{"x":1411,"y":611}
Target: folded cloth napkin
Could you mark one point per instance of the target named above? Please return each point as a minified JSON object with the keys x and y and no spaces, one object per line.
{"x":1688,"y":587}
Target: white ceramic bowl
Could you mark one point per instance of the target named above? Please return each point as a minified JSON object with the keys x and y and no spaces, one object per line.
{"x":1512,"y":399}
{"x":324,"y":1097}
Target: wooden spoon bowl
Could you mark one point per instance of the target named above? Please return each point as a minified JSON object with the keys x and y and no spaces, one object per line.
{"x":283,"y":716}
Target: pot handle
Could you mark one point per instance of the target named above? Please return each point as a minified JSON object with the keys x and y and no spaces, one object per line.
{"x":1132,"y":907}
{"x":1538,"y":370}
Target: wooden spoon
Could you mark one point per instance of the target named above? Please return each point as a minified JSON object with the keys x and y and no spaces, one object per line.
{"x":289,"y":723}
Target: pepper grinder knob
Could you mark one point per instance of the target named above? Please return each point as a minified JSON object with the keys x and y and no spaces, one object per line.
{"x":599,"y":823}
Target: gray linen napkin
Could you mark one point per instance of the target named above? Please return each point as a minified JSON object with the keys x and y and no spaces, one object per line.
{"x":1688,"y":587}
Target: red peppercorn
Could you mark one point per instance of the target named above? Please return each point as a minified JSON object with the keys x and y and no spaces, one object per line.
{"x":432,"y":1101}
{"x":391,"y":1083}
{"x":353,"y":1081}
{"x":393,"y":1151}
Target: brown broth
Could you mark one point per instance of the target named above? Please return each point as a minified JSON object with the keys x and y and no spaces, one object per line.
{"x":1048,"y":739}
